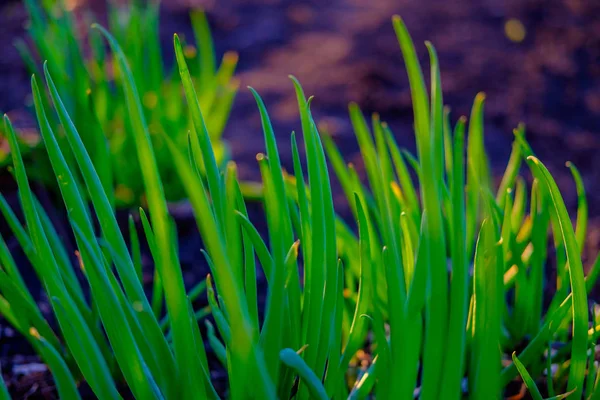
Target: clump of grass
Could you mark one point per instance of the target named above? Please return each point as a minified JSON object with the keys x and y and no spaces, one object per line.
{"x":90,"y":89}
{"x":442,"y":284}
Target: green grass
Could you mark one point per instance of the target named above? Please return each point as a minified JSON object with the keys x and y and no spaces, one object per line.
{"x":89,"y":85}
{"x":439,"y":278}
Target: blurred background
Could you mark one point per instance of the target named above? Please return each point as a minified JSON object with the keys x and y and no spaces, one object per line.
{"x":538,"y":61}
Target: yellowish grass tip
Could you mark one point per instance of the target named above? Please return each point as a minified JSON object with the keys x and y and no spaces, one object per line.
{"x":34,"y":332}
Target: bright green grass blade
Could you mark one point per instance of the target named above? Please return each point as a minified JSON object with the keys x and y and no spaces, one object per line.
{"x":206,"y":51}
{"x":331,"y":256}
{"x":134,"y":242}
{"x":292,"y":360}
{"x":448,"y":147}
{"x":417,"y":85}
{"x":202,"y":135}
{"x":484,"y":371}
{"x":280,"y":226}
{"x":170,"y":272}
{"x":8,"y":265}
{"x":580,"y":313}
{"x":233,"y":234}
{"x":272,"y":329}
{"x":243,"y":341}
{"x":77,"y":334}
{"x":128,"y":355}
{"x":357,"y":331}
{"x":314,"y":269}
{"x":158,"y":292}
{"x":264,"y":256}
{"x":437,"y":115}
{"x":527,"y":379}
{"x":454,"y":361}
{"x":539,"y":240}
{"x":216,"y":344}
{"x":512,"y":169}
{"x":404,"y":178}
{"x":475,"y":147}
{"x":520,"y":205}
{"x":436,"y":315}
{"x":582,"y":207}
{"x":249,"y":264}
{"x":66,"y":268}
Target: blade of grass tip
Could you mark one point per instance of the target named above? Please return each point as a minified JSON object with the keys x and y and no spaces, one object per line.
{"x":437,"y":114}
{"x":454,"y":360}
{"x":582,"y":207}
{"x":527,"y":379}
{"x":206,"y":51}
{"x":303,"y":207}
{"x":243,"y":342}
{"x":202,"y":135}
{"x":426,"y":132}
{"x":331,"y":255}
{"x":512,"y":169}
{"x":170,"y":273}
{"x":580,"y":314}
{"x":314,"y":267}
{"x":233,"y":231}
{"x":448,"y":148}
{"x":292,"y":360}
{"x":76,"y":333}
{"x":475,"y":146}
{"x":281,"y":235}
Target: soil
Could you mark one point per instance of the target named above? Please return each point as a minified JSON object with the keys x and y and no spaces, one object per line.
{"x":346,"y":50}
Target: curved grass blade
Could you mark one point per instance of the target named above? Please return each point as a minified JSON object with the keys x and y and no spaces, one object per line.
{"x":582,"y":207}
{"x":292,"y":360}
{"x":527,"y":379}
{"x":579,"y":310}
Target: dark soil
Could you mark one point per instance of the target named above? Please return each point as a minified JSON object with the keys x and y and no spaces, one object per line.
{"x":345,"y":50}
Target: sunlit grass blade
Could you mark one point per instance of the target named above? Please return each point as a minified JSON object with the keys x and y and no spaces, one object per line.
{"x":579,"y":310}
{"x":582,"y":207}
{"x":170,"y":273}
